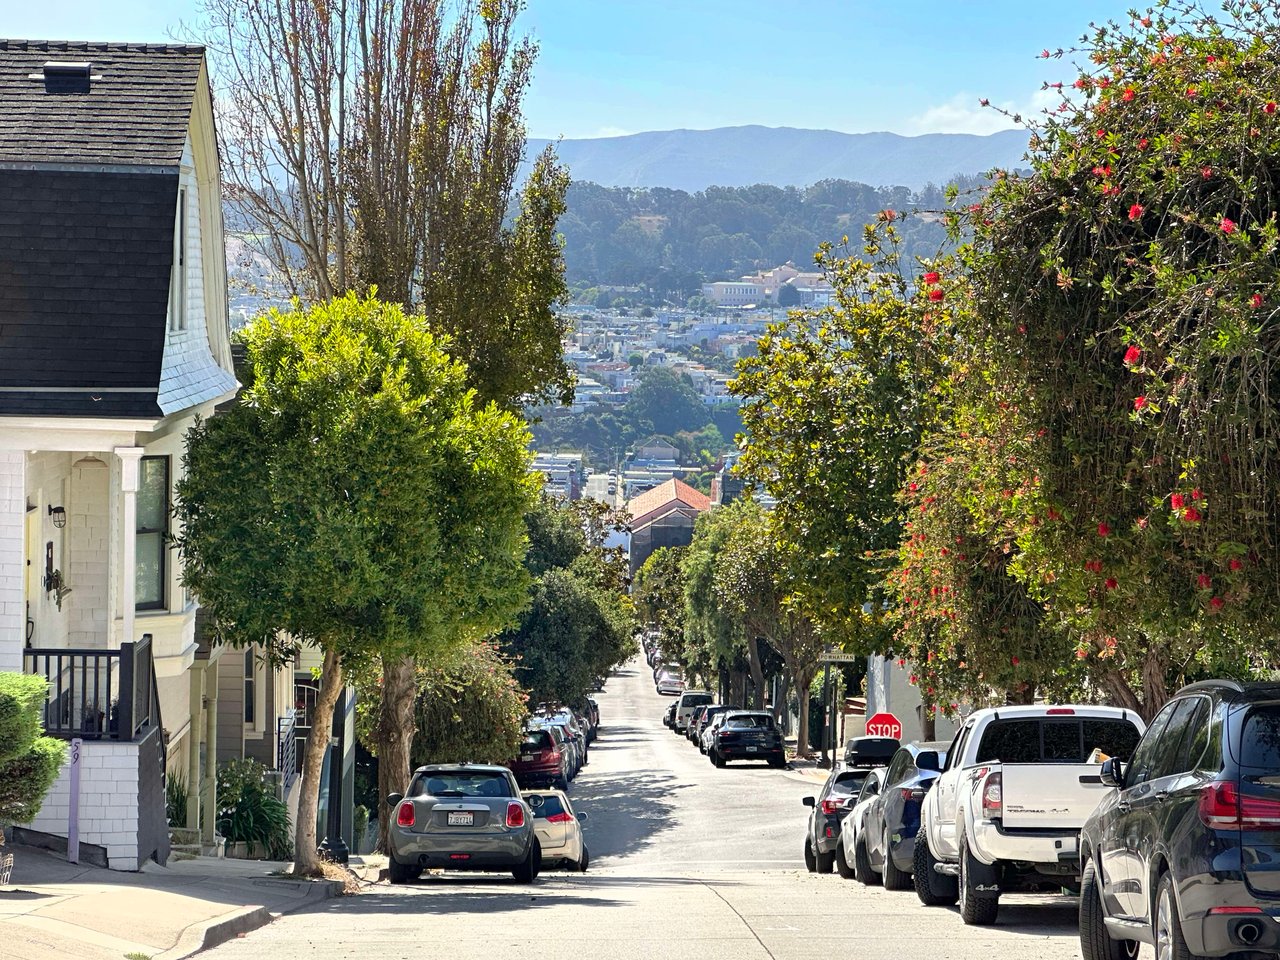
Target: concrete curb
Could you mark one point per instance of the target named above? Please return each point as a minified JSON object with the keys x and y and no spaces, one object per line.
{"x":211,"y":933}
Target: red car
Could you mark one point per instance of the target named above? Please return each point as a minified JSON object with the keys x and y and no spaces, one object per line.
{"x":540,"y":762}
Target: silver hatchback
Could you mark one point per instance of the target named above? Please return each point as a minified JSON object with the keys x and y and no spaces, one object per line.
{"x":462,"y":817}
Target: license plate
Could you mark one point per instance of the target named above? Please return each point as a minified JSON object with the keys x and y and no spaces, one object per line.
{"x":752,"y":749}
{"x":462,"y":819}
{"x":527,"y":757}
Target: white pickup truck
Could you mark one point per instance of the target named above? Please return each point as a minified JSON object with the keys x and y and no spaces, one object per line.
{"x":1005,"y":813}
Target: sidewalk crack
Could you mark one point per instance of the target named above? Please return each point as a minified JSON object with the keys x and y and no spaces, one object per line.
{"x":736,"y":913}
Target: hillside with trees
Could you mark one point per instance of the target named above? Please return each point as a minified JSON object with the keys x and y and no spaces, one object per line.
{"x":669,"y":242}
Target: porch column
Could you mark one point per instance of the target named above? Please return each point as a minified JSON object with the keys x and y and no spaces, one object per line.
{"x":13,"y":573}
{"x":130,"y":458}
{"x":197,"y":672}
{"x":209,"y":804}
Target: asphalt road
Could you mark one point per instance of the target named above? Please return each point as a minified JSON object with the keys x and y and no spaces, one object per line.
{"x":597,"y":488}
{"x":688,"y":862}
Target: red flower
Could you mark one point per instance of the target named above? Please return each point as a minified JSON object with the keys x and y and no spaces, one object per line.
{"x":1100,"y":134}
{"x":1270,"y":107}
{"x":1139,"y":402}
{"x":1142,"y":523}
{"x":1196,"y":494}
{"x":1054,"y":514}
{"x":1255,"y":301}
{"x":1142,"y":144}
{"x":1127,"y":95}
{"x":1204,"y":581}
{"x":1191,"y":515}
{"x":1227,"y":225}
{"x":1081,"y":83}
{"x":902,"y":662}
{"x":1102,"y":171}
{"x":1110,"y":583}
{"x":1191,"y":91}
{"x":1136,"y":212}
{"x":1014,"y":661}
{"x":1104,"y":530}
{"x":1206,"y":172}
{"x":931,"y":277}
{"x":1235,"y":563}
{"x":1081,"y":653}
{"x":1145,"y":21}
{"x":1045,"y":54}
{"x":935,"y":295}
{"x":1132,"y":356}
{"x":1216,"y":603}
{"x":1176,"y":501}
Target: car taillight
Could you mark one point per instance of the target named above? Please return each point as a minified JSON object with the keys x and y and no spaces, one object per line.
{"x":404,"y":816}
{"x":1059,"y":712}
{"x":831,"y":807}
{"x":549,"y":754}
{"x":515,"y":815}
{"x":1223,"y":807}
{"x":993,"y":797}
{"x":559,"y":818}
{"x":911,"y":793}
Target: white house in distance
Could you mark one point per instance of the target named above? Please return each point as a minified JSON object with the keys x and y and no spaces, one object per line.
{"x":113,"y":339}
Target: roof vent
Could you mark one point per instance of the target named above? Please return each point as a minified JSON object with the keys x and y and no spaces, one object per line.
{"x":66,"y":70}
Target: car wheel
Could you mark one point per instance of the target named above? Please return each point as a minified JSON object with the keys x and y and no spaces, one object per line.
{"x":527,"y":872}
{"x":778,"y":763}
{"x":975,"y":910}
{"x":1095,"y":942}
{"x":825,"y":862}
{"x":562,"y":783}
{"x":398,"y":872}
{"x":934,"y":889}
{"x":717,"y":759}
{"x":810,"y":861}
{"x":894,"y":879}
{"x":1170,"y":944}
{"x":585,"y":860}
{"x":842,"y":862}
{"x":862,"y":864}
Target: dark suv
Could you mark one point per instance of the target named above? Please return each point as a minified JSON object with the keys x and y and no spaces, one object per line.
{"x":1185,"y":852}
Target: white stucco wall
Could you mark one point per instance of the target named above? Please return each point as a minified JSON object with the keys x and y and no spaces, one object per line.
{"x":13,"y":621}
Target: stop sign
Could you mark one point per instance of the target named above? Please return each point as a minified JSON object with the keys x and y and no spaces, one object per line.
{"x":884,"y":725}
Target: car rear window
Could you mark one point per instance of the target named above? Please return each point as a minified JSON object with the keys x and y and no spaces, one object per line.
{"x":849,"y":782}
{"x":696,"y":699}
{"x":460,"y":784}
{"x":1260,"y":741}
{"x":549,"y":807}
{"x":1056,"y":739}
{"x":752,"y":720}
{"x":535,"y":741}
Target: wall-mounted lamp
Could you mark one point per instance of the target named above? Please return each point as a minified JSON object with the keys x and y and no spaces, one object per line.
{"x":59,"y":515}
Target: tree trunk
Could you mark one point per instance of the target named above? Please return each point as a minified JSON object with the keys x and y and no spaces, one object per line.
{"x":929,"y":726}
{"x":802,"y":734}
{"x":757,"y":671}
{"x":393,"y":736}
{"x":306,"y":857}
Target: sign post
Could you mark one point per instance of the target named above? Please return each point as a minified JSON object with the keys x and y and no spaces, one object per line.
{"x":884,"y":725}
{"x":73,"y":805}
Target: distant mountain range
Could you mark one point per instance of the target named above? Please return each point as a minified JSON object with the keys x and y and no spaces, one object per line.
{"x":783,"y":156}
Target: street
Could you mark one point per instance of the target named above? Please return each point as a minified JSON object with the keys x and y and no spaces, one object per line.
{"x":687,"y":861}
{"x":597,"y":488}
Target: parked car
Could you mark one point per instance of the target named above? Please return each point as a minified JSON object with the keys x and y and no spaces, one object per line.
{"x":565,"y":736}
{"x":870,"y":789}
{"x":559,"y":830}
{"x":669,"y":715}
{"x":869,"y":751}
{"x":462,"y":817}
{"x":1183,"y":851}
{"x":694,"y":717}
{"x":684,"y":707}
{"x":593,"y":710}
{"x":826,"y":810}
{"x":541,"y":761}
{"x":748,"y":735}
{"x":704,"y":720}
{"x":1006,"y":812}
{"x":711,"y":728}
{"x":670,"y":682}
{"x":884,"y":839}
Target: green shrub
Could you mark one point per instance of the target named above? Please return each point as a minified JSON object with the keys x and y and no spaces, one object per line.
{"x":29,"y":762}
{"x":175,"y":800}
{"x":249,"y":811}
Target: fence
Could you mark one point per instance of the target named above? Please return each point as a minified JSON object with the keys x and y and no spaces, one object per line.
{"x":287,"y":749}
{"x":97,"y":694}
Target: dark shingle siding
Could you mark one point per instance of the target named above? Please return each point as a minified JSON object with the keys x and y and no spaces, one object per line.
{"x":137,"y":113}
{"x":84,"y":288}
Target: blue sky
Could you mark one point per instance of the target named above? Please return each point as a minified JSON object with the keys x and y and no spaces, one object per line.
{"x":623,"y":66}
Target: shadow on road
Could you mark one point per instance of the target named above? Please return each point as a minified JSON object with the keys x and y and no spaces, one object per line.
{"x":628,"y":812}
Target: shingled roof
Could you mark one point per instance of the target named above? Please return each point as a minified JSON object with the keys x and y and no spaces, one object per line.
{"x":670,"y":492}
{"x":89,"y":169}
{"x":133,"y":109}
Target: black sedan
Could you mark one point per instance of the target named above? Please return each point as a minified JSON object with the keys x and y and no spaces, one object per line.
{"x":748,"y":735}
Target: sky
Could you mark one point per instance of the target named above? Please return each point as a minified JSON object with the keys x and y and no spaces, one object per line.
{"x":612,"y":67}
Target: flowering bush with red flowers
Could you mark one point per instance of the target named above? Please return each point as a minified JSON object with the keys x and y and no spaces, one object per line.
{"x":1117,"y":302}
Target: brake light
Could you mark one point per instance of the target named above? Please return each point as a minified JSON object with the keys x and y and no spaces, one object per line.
{"x":515,"y":814}
{"x":405,"y":815}
{"x":993,"y":797}
{"x":1230,"y":910}
{"x":1223,"y":807}
{"x":549,"y":754}
{"x":1060,"y":712}
{"x":560,"y":818}
{"x":909,"y":794}
{"x":830,"y":807}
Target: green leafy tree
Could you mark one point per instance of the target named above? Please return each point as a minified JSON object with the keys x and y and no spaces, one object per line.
{"x":712,"y":630}
{"x":788,"y":296}
{"x":636,"y":360}
{"x":354,"y":497}
{"x":658,"y":595}
{"x":665,"y":402}
{"x":29,"y":761}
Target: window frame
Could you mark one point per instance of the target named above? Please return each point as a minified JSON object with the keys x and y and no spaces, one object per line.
{"x":163,"y":532}
{"x":178,"y":281}
{"x":250,"y":688}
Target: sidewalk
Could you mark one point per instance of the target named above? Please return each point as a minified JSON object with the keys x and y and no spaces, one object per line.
{"x":53,"y":909}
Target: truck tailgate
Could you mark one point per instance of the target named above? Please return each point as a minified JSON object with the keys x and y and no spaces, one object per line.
{"x":1049,"y":796}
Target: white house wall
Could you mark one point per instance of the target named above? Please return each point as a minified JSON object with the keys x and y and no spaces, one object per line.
{"x":13,"y":621}
{"x":88,"y":541}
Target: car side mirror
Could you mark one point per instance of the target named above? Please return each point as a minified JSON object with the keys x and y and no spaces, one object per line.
{"x":1112,"y":772}
{"x":582,"y":817}
{"x":394,"y":800}
{"x":808,"y":801}
{"x":928,"y":760}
